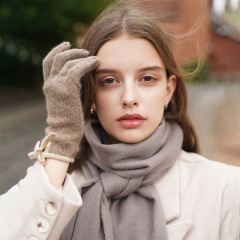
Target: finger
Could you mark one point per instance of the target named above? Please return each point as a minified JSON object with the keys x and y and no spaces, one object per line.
{"x":62,"y":58}
{"x":48,"y":60}
{"x":86,"y":65}
{"x":70,"y":64}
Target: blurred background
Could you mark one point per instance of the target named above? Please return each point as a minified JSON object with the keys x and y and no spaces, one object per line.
{"x":205,"y":36}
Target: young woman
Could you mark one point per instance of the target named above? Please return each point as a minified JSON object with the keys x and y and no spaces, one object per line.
{"x":136,"y":174}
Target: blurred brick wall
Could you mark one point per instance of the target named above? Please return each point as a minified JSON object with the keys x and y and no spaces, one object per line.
{"x":188,"y":21}
{"x":225,"y":57}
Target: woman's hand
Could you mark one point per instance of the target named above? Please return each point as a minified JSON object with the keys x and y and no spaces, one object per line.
{"x":62,"y":69}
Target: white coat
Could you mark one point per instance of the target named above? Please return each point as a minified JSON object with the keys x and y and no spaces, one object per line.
{"x":200,"y":198}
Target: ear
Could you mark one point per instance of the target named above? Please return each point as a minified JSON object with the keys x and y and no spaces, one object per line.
{"x":171,"y":86}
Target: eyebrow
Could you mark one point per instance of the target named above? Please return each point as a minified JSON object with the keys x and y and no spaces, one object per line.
{"x":158,"y":68}
{"x":106,"y":70}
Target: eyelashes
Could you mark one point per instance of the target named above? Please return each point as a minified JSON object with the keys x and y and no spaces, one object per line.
{"x":112,"y":81}
{"x":108,"y":81}
{"x":148,"y":78}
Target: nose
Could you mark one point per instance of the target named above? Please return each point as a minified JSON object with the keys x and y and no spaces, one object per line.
{"x":130,"y":96}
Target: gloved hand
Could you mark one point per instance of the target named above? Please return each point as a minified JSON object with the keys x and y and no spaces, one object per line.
{"x":62,"y":69}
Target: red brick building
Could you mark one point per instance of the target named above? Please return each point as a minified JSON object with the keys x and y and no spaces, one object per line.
{"x":188,"y":21}
{"x":197,"y":35}
{"x":225,"y":57}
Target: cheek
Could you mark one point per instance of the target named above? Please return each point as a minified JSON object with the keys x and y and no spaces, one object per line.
{"x":104,"y":102}
{"x":155,"y":99}
{"x":155,"y":105}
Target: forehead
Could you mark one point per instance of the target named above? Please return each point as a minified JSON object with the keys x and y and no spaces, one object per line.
{"x":128,"y":50}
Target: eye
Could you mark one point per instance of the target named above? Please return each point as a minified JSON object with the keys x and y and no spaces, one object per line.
{"x":148,"y":79}
{"x":109,"y":81}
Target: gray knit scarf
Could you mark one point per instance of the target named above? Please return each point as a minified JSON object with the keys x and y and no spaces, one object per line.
{"x":124,"y":174}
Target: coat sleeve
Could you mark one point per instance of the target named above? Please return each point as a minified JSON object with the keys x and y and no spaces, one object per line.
{"x":230,"y":216}
{"x":37,"y":210}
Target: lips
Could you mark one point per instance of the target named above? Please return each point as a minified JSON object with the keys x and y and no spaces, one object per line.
{"x":131,"y":120}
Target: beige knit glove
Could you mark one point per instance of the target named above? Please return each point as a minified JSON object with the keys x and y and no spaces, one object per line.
{"x":62,"y":69}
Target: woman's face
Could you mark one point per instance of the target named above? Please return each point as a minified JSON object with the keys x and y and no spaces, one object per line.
{"x":132,"y":89}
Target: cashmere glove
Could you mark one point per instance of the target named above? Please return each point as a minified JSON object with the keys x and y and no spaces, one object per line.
{"x":62,"y":69}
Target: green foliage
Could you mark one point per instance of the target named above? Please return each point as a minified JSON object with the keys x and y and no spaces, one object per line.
{"x":30,"y":28}
{"x":196,"y":71}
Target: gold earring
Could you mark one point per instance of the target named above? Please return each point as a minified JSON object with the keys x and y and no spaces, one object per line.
{"x":165,"y":106}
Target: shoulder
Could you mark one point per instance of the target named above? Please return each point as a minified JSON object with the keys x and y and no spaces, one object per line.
{"x":193,"y":160}
{"x":200,"y":167}
{"x":204,"y":179}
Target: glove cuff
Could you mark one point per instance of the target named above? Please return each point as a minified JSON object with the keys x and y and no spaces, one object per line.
{"x":41,"y":151}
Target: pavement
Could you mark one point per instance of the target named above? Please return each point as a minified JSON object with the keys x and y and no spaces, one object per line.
{"x":21,"y":126}
{"x":214,"y":110}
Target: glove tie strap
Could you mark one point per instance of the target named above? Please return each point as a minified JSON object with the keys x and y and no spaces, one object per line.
{"x":41,"y":151}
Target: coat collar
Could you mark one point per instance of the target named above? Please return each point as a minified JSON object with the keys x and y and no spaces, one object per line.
{"x":168,"y":189}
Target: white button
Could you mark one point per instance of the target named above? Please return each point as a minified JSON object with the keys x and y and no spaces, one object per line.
{"x":51,"y":208}
{"x":43,"y":225}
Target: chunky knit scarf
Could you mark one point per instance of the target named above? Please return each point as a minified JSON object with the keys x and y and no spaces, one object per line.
{"x":120,"y":201}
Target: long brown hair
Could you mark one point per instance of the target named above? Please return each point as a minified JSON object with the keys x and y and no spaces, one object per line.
{"x":124,"y":18}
